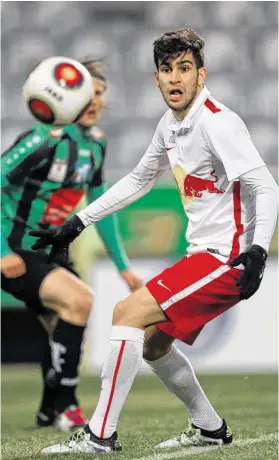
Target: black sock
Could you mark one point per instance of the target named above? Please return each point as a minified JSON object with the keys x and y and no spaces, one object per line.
{"x":66,"y":350}
{"x":49,"y":391}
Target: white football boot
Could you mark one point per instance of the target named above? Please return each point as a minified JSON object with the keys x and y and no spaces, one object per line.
{"x":194,"y":436}
{"x":85,"y":442}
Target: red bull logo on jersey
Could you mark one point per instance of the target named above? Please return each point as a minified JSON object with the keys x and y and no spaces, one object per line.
{"x":195,"y":186}
{"x":191,"y":187}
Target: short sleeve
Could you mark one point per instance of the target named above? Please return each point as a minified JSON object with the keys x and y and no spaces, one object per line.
{"x":229,"y":140}
{"x":156,"y":157}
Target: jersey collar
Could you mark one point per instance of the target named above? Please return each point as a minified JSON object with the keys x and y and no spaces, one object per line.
{"x":175,"y":125}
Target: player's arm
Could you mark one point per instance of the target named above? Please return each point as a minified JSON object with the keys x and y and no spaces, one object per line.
{"x":265,"y":190}
{"x":126,"y":191}
{"x":12,"y":265}
{"x":29,"y":151}
{"x":133,"y":186}
{"x":231,"y":142}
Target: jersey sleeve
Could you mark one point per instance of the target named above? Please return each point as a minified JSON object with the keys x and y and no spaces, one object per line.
{"x":155,"y":157}
{"x":28,"y":151}
{"x":265,"y":191}
{"x":229,"y":140}
{"x":5,"y":248}
{"x":133,"y":186}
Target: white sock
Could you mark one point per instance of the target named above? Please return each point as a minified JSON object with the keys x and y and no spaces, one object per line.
{"x":122,"y":365}
{"x":176,"y":372}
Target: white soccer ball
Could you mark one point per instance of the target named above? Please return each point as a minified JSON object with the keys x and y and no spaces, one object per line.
{"x":58,"y":90}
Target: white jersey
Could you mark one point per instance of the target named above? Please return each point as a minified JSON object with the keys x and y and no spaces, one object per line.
{"x":207,"y":151}
{"x":215,"y":165}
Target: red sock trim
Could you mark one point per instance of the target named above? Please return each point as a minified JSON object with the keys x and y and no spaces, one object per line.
{"x":113,"y":386}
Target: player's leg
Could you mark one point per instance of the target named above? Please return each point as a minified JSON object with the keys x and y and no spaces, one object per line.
{"x":207,"y":289}
{"x":72,"y":300}
{"x":131,"y":317}
{"x":46,"y":414}
{"x":49,"y":321}
{"x":60,"y":291}
{"x":188,"y":294}
{"x":175,"y":371}
{"x":57,"y":396}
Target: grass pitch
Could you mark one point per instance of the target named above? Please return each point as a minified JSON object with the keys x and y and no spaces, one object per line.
{"x":248,"y":402}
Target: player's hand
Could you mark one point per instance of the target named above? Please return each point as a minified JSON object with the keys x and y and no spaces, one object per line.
{"x":59,"y":238}
{"x":132,"y":280}
{"x":64,"y":234}
{"x":12,"y":266}
{"x":254,"y":264}
{"x":59,"y":252}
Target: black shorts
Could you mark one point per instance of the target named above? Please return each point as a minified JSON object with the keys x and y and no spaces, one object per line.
{"x":26,"y":287}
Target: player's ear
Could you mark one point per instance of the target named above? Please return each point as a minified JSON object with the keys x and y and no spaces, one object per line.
{"x":202,"y":75}
{"x":156,"y":78}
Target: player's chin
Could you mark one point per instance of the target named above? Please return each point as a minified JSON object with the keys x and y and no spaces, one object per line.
{"x":88,"y":122}
{"x":177,"y":106}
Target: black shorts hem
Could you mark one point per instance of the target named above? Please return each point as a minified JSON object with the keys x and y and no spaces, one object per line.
{"x":26,"y":288}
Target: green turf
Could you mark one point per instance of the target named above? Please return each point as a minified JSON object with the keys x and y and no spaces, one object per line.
{"x":248,"y":402}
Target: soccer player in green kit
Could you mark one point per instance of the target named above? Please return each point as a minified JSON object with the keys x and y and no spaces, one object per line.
{"x":45,"y":173}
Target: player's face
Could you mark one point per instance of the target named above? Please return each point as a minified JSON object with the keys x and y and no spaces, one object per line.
{"x":180,"y":83}
{"x":95,"y":109}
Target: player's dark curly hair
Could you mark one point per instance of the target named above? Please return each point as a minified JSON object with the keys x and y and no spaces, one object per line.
{"x":172,"y":44}
{"x":95,"y":67}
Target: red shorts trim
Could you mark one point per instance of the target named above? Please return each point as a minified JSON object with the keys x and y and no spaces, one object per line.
{"x":192,"y":292}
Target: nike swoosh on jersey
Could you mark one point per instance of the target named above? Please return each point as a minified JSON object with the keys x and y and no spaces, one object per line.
{"x":160,"y":282}
{"x":170,"y":148}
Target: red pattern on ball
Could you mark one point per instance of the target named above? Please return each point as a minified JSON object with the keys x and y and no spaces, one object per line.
{"x":40,"y":109}
{"x":68,"y":74}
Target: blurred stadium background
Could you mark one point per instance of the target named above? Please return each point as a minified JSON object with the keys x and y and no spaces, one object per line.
{"x":241,"y":56}
{"x":242,"y":59}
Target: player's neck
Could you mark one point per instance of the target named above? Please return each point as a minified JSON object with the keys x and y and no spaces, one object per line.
{"x":84,"y":129}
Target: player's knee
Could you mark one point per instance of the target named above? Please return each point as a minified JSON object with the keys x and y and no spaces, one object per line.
{"x":120,"y":312}
{"x":80,"y":305}
{"x":85,"y":304}
{"x":125,"y":314}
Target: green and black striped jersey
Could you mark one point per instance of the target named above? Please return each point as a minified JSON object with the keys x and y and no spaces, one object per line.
{"x":45,"y":173}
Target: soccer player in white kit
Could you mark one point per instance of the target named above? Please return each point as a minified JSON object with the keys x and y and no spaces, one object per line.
{"x":230,"y":199}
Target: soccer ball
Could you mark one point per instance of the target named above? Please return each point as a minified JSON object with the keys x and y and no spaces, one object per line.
{"x":58,"y":90}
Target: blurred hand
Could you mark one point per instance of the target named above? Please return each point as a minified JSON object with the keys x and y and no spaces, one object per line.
{"x":133,"y":281}
{"x":12,"y":266}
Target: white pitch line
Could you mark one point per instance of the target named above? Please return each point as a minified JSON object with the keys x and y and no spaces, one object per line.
{"x":188,"y":451}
